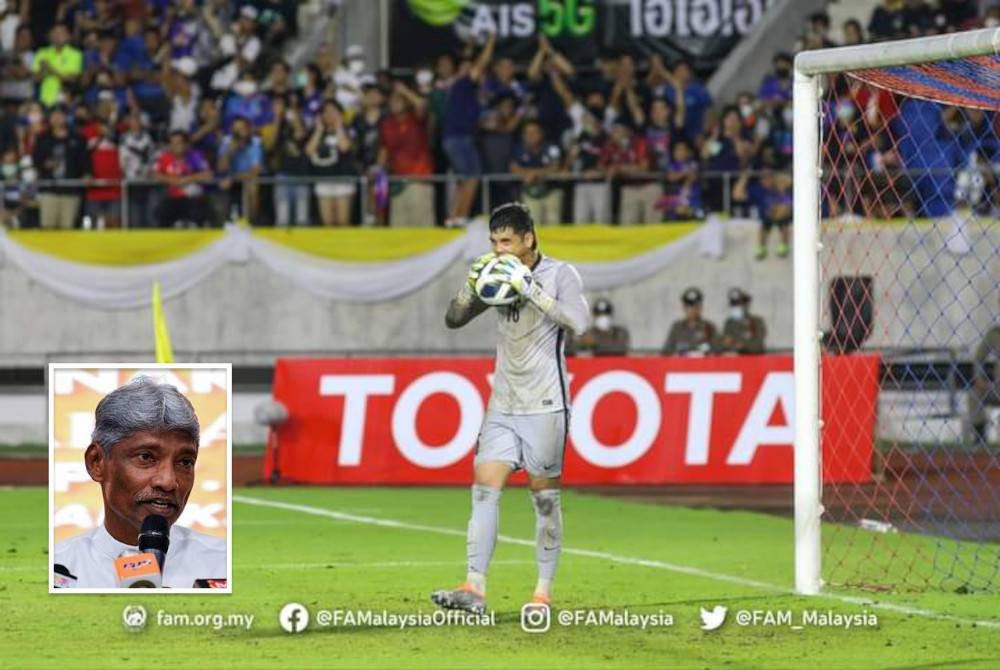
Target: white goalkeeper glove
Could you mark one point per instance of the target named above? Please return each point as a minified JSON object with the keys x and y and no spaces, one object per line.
{"x":477,"y":267}
{"x":518,"y":275}
{"x":515,"y":273}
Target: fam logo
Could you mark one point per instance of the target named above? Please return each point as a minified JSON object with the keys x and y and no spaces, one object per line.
{"x":134,"y":618}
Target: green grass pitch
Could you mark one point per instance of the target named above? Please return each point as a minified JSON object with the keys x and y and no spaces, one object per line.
{"x":636,"y":561}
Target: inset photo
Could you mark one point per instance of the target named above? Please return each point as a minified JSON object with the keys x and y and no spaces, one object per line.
{"x":140,"y":478}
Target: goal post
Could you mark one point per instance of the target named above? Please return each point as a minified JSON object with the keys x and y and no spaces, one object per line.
{"x":806,"y":204}
{"x":823,"y":193}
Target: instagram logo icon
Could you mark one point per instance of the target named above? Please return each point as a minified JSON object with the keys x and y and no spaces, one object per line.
{"x":535,"y":618}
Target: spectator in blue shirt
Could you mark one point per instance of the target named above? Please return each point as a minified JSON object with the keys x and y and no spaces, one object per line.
{"x":241,"y":160}
{"x":933,"y":155}
{"x":101,"y":58}
{"x":132,"y":47}
{"x":771,"y":195}
{"x":311,"y":85}
{"x":206,"y":135}
{"x":545,"y":78}
{"x":696,"y":100}
{"x":659,"y":134}
{"x":188,"y":33}
{"x":776,"y":88}
{"x":503,"y":81}
{"x":89,"y":15}
{"x":104,"y":83}
{"x":533,"y":161}
{"x":140,"y":56}
{"x":458,"y":131}
{"x":681,"y":200}
{"x":725,"y":149}
{"x":248,"y":103}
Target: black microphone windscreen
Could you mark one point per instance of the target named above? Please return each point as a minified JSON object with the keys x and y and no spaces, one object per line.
{"x":155,"y":534}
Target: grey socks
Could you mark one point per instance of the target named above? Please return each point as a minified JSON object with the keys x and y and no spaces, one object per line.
{"x":482,"y":536}
{"x":548,"y":535}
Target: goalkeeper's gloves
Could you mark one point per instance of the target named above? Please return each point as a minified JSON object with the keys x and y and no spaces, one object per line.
{"x":477,"y":267}
{"x":516,"y":274}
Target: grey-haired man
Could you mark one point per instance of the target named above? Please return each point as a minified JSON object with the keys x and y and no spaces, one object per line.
{"x":143,"y":452}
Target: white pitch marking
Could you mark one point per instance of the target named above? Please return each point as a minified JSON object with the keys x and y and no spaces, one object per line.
{"x":366,"y":566}
{"x":614,"y":558}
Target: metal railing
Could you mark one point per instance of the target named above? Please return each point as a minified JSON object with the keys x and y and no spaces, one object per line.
{"x":716,"y":187}
{"x":231,"y":195}
{"x":216,"y":192}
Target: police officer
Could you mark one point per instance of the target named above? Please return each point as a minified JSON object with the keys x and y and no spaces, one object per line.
{"x":743,"y":332}
{"x":605,"y":337}
{"x":691,"y":335}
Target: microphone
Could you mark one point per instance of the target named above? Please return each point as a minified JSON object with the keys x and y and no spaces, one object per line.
{"x":154,"y":538}
{"x":134,"y":570}
{"x":143,"y":569}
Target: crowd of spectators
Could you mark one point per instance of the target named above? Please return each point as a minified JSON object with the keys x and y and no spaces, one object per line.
{"x":192,"y":103}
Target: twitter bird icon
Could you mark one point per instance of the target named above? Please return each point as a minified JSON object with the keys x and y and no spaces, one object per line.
{"x":713,"y":618}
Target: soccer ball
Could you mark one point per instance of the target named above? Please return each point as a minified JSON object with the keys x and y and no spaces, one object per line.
{"x":492,"y":286}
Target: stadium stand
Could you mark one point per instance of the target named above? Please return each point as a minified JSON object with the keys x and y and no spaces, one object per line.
{"x":119,"y":67}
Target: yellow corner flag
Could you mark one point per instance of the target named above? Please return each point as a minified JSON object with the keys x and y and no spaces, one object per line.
{"x":164,"y":352}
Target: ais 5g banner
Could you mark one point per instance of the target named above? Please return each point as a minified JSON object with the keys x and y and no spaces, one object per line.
{"x":633,"y":421}
{"x":703,"y":30}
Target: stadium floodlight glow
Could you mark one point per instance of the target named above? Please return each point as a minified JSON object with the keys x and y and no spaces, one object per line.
{"x":904,"y":67}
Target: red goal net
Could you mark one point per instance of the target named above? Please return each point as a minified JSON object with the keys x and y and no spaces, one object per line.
{"x":910,"y":270}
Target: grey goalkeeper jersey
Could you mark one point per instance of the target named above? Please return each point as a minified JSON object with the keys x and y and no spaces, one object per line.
{"x":530,"y":374}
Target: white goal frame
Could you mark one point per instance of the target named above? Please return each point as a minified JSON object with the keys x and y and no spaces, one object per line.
{"x":809,"y":68}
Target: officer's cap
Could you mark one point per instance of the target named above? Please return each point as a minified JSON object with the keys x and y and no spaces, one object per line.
{"x":692,"y":296}
{"x":738,"y":296}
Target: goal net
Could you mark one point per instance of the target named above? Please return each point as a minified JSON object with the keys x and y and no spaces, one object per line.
{"x":898,"y":260}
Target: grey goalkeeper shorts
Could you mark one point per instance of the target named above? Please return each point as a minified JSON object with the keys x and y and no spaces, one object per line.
{"x":532,"y":442}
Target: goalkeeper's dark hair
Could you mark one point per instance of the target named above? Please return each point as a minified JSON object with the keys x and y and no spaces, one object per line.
{"x":517,"y":217}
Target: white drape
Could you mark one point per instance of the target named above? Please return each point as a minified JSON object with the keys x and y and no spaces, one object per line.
{"x":361,"y":282}
{"x":129,"y":287}
{"x":117,"y":287}
{"x":707,"y":239}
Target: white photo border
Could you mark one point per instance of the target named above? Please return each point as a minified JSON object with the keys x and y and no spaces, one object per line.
{"x":151,"y":367}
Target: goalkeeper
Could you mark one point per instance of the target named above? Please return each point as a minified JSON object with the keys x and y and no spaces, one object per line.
{"x":527,"y":419}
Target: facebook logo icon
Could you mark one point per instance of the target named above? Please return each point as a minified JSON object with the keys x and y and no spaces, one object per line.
{"x":294,"y":618}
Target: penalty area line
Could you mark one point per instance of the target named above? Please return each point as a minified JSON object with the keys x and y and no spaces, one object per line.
{"x":615,"y":558}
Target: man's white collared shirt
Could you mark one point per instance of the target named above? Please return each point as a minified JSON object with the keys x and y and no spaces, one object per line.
{"x":89,"y":559}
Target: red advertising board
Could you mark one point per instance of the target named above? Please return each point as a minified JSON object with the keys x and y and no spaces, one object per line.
{"x":710,"y":420}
